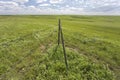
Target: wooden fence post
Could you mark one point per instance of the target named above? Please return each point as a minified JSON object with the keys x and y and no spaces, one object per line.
{"x":59,"y":24}
{"x":60,"y":33}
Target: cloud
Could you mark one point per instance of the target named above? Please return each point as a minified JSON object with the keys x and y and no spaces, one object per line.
{"x":60,"y":7}
{"x":55,"y":1}
{"x":44,"y":5}
{"x":104,"y":6}
{"x":40,"y":1}
{"x":8,"y":5}
{"x":20,"y":1}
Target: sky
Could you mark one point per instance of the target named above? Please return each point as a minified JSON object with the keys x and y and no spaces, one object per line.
{"x":77,"y":7}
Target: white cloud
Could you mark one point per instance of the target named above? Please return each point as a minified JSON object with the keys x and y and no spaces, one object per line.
{"x":20,"y":1}
{"x":32,"y":7}
{"x":99,"y":3}
{"x":103,"y":6}
{"x":44,"y":4}
{"x":40,"y":1}
{"x":60,"y":7}
{"x":56,"y":1}
{"x":8,"y":5}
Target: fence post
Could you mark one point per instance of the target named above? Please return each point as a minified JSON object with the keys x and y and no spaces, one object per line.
{"x":63,"y":45}
{"x":59,"y":24}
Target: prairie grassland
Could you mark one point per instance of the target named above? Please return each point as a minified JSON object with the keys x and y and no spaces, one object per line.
{"x":28,"y":43}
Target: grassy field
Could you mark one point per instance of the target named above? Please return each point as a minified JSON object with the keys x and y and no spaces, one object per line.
{"x":28,"y":44}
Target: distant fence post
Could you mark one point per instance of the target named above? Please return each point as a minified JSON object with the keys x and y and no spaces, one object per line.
{"x":59,"y":24}
{"x":60,"y":33}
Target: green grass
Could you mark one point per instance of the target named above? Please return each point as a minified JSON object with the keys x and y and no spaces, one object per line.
{"x":28,"y":43}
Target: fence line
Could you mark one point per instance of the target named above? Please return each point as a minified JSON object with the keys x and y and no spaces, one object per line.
{"x":60,"y":36}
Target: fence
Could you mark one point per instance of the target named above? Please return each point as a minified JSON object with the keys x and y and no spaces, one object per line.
{"x":61,"y":38}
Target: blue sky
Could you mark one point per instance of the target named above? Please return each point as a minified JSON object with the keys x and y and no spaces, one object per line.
{"x":82,"y":7}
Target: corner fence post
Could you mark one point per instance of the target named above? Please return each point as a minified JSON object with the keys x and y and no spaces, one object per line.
{"x":60,"y":33}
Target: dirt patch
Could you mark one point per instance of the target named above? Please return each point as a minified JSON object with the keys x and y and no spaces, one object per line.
{"x":73,"y":49}
{"x":42,"y":48}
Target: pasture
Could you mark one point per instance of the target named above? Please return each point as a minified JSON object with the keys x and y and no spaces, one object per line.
{"x":28,"y":43}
